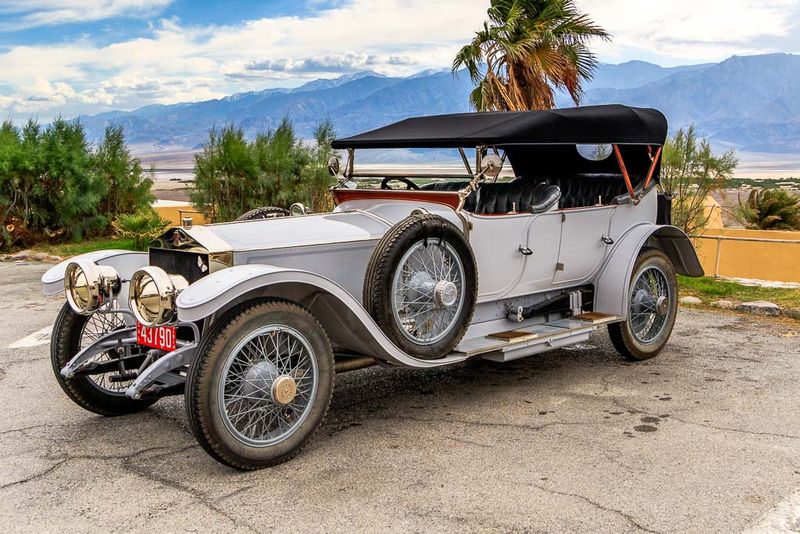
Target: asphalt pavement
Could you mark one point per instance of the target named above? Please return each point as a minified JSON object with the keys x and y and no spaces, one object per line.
{"x":703,"y":438}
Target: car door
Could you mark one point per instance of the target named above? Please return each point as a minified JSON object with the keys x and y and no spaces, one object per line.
{"x":496,"y":242}
{"x":584,"y":232}
{"x":543,"y":242}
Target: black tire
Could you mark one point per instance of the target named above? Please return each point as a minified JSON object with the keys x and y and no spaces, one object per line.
{"x":202,"y":385}
{"x":621,"y":334}
{"x":385,"y":262}
{"x":65,"y":343}
{"x":266,"y":212}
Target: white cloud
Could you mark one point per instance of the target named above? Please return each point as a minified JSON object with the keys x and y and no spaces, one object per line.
{"x":34,"y":13}
{"x":693,"y":31}
{"x":176,"y":62}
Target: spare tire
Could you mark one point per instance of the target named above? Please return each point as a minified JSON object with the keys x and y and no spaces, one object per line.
{"x":421,"y":285}
{"x":265,"y":212}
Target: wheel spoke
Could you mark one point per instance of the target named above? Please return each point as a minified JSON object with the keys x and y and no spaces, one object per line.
{"x":250,"y":408}
{"x":415,"y":306}
{"x":647,"y":292}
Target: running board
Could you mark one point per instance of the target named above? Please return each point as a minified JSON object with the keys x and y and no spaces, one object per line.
{"x":522,"y":342}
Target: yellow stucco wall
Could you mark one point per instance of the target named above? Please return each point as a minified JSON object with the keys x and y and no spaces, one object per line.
{"x":172,"y":213}
{"x":713,"y":213}
{"x":771,"y":260}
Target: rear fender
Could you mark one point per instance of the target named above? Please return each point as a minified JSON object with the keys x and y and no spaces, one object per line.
{"x":611,"y":285}
{"x":346,"y":322}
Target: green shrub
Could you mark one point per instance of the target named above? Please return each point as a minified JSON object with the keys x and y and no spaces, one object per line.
{"x":770,"y":209}
{"x":234,"y":175}
{"x":143,"y":226}
{"x":128,"y":184}
{"x":691,"y":171}
{"x":54,"y":188}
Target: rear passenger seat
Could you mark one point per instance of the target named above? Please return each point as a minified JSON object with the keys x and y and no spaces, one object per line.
{"x":581,"y":190}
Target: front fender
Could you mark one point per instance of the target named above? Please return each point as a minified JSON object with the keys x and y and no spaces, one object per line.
{"x":611,"y":284}
{"x":346,"y":322}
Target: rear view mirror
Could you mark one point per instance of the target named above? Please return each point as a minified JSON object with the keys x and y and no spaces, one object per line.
{"x":491,"y":165}
{"x":333,"y":166}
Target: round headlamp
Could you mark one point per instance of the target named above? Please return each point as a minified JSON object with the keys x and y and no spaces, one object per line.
{"x":153,"y":293}
{"x":88,"y":285}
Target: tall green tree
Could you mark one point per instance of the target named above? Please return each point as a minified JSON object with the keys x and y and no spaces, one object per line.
{"x":690,"y":171}
{"x":234,"y":175}
{"x":317,"y":178}
{"x":526,"y":51}
{"x":128,"y":185}
{"x":69,"y":192}
{"x":226,"y":175}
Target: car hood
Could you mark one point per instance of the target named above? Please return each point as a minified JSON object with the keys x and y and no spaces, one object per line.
{"x":288,"y":232}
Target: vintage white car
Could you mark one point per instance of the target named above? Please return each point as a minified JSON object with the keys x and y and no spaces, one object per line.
{"x":251,"y":320}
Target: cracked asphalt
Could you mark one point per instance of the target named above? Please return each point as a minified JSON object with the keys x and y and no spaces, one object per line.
{"x":704,"y":438}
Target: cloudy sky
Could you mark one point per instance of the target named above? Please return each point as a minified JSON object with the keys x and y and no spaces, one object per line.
{"x":85,"y":56}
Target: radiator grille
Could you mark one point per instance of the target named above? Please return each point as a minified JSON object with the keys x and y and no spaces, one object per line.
{"x":191,"y":265}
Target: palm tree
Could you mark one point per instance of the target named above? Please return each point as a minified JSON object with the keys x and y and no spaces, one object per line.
{"x":526,"y":50}
{"x":770,"y":209}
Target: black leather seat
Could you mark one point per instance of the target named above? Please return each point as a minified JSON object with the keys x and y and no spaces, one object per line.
{"x":449,"y":185}
{"x":452,"y":186}
{"x":581,"y":190}
{"x":521,"y":195}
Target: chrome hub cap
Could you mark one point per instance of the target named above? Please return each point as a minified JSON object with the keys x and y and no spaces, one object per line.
{"x":428,"y":291}
{"x":268,"y":385}
{"x":662,"y":306}
{"x":650,"y":305}
{"x":445,"y":294}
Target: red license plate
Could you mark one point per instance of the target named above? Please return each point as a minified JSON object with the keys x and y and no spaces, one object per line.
{"x":159,"y":337}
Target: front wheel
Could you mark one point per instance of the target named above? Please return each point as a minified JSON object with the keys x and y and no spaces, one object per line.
{"x":652,"y":308}
{"x":260,"y":385}
{"x":102,"y":391}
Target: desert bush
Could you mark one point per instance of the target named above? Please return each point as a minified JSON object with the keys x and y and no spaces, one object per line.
{"x":690,"y":171}
{"x":53,"y":187}
{"x":234,"y":175}
{"x":128,"y":183}
{"x":770,"y":209}
{"x":142,"y":226}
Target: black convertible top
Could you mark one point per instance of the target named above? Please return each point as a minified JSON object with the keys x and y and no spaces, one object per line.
{"x":610,"y":124}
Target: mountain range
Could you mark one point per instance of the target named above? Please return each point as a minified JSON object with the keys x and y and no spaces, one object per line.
{"x":751,"y":103}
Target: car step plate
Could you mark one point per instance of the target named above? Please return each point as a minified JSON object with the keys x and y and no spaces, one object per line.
{"x":541,"y":334}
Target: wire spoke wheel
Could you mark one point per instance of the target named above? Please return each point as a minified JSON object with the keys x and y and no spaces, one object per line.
{"x":652,"y":308}
{"x":421,"y":285}
{"x":649,"y":304}
{"x":428,"y":291}
{"x":95,"y":392}
{"x":268,"y":384}
{"x":97,"y":326}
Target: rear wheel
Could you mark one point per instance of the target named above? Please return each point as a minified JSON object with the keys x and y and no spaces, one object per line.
{"x":652,"y":308}
{"x":260,"y":385}
{"x":97,"y":393}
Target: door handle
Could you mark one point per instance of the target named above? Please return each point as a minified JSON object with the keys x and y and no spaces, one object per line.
{"x":525,"y":250}
{"x":607,"y":240}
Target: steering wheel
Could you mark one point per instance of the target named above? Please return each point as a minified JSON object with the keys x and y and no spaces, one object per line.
{"x":409,"y":183}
